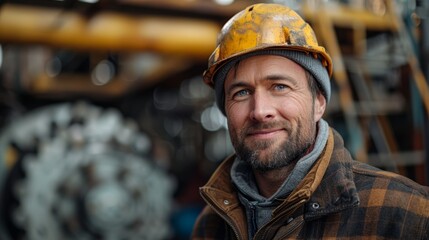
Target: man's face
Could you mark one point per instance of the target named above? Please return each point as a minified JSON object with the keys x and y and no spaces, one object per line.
{"x":270,"y":110}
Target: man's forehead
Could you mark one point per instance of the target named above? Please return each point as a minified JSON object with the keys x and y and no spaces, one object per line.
{"x":271,"y":67}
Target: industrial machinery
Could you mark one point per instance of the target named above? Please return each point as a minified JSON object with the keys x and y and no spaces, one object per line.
{"x":77,"y":171}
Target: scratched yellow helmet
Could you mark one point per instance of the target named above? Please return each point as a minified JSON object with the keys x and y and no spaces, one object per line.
{"x":267,"y":28}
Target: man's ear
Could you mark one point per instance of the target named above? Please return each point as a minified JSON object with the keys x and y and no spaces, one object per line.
{"x":319,"y":107}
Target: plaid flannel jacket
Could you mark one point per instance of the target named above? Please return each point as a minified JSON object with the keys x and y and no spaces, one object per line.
{"x":338,"y":199}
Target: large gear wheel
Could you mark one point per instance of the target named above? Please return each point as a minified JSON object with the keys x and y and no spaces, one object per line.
{"x":82,"y":173}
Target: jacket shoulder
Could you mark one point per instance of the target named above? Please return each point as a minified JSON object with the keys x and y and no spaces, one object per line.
{"x":373,"y":178}
{"x":392,"y":201}
{"x":392,"y":196}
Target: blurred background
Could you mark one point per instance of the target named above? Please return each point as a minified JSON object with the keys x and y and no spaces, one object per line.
{"x":107,"y":129}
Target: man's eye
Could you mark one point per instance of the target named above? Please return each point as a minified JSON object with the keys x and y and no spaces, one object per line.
{"x":241,"y":93}
{"x":280,"y":87}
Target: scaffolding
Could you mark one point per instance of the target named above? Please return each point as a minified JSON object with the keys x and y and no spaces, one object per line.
{"x":380,"y":89}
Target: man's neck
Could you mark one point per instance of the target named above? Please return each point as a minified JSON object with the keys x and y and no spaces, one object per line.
{"x":270,"y":181}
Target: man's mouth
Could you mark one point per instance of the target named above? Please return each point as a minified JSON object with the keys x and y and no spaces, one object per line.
{"x":265,"y":133}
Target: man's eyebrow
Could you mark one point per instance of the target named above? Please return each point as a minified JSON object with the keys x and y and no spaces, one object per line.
{"x":274,"y":77}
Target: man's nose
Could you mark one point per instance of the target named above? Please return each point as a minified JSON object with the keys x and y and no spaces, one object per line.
{"x":263,"y":107}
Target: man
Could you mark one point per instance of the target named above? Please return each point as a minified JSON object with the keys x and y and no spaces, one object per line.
{"x":291,"y":177}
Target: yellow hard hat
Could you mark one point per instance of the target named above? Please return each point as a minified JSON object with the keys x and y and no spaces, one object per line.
{"x":260,"y":27}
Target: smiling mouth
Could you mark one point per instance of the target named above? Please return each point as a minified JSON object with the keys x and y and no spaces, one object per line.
{"x":264,"y":134}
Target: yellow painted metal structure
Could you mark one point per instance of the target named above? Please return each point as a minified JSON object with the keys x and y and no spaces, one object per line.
{"x":107,"y":31}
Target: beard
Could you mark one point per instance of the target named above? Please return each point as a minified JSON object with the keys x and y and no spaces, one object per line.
{"x":288,"y":151}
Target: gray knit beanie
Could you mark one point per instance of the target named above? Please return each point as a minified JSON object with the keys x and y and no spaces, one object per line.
{"x":307,"y":61}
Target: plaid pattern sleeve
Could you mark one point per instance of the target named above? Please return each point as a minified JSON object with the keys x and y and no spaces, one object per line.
{"x":394,"y":206}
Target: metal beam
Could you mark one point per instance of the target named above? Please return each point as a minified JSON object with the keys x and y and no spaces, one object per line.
{"x":107,"y":31}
